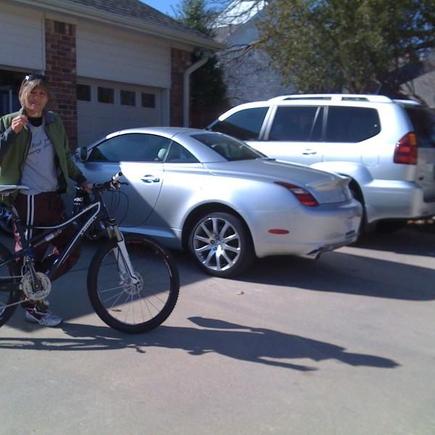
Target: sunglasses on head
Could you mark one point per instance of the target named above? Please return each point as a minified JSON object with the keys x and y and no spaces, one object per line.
{"x":31,"y":77}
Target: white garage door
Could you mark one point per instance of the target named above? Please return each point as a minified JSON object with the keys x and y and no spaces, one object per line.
{"x":104,"y":107}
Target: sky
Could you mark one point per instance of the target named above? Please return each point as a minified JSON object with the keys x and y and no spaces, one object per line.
{"x":163,"y":5}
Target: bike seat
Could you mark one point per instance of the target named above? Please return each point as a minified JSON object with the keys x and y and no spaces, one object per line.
{"x":8,"y":189}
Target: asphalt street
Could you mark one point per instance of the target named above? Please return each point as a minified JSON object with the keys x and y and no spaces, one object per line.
{"x":342,"y":345}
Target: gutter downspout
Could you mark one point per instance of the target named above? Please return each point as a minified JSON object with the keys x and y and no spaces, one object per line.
{"x":186,"y":88}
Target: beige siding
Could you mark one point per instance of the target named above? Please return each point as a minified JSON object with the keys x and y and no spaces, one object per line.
{"x":21,"y":38}
{"x":116,"y":55}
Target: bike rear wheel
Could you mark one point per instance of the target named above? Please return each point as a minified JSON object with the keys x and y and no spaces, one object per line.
{"x":9,"y":292}
{"x":133,"y":307}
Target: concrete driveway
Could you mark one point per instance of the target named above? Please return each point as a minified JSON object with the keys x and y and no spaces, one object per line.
{"x":341,"y":345}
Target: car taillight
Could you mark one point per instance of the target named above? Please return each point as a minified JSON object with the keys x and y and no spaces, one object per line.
{"x":406,"y":150}
{"x":302,"y":195}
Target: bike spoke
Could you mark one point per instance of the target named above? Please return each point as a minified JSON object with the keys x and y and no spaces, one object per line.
{"x":144,"y":289}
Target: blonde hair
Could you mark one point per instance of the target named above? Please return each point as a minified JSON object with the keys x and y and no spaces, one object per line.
{"x":29,"y":83}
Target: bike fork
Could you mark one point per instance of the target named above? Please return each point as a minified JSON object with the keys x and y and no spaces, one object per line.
{"x":123,"y":259}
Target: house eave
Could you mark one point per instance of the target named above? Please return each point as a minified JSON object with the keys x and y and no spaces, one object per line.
{"x":77,"y":10}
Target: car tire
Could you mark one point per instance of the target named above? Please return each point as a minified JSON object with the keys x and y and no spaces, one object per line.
{"x":221,"y":245}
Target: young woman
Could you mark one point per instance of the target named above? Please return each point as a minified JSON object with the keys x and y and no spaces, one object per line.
{"x":34,"y":152}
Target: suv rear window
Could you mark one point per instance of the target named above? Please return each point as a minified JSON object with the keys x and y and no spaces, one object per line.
{"x":423,"y":121}
{"x":351,"y":124}
{"x":245,"y":124}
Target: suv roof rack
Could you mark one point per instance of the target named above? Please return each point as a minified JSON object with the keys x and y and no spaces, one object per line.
{"x":334,"y":97}
{"x":408,"y":102}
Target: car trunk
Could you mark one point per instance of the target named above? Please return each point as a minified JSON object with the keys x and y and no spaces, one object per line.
{"x":423,"y":120}
{"x":327,"y":188}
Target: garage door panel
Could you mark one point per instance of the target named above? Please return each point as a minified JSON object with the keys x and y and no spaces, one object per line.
{"x":96,"y":119}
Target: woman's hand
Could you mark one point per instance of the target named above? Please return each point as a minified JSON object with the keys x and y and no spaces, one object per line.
{"x":18,"y":123}
{"x":86,"y":186}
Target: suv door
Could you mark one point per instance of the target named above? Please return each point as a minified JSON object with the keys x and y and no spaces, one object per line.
{"x":347,"y":135}
{"x":423,"y":121}
{"x":245,"y":124}
{"x":294,"y":134}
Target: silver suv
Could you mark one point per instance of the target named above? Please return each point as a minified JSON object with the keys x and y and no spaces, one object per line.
{"x":386,"y":147}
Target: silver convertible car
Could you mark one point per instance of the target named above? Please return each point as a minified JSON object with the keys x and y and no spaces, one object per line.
{"x":219,"y":198}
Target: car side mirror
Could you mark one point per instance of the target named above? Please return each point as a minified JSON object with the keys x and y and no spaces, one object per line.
{"x":83,"y":154}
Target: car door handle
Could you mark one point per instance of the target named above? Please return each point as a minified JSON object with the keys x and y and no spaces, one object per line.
{"x":309,"y":152}
{"x":149,"y":178}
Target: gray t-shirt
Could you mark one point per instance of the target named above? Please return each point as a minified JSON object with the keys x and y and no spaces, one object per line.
{"x":39,"y":170}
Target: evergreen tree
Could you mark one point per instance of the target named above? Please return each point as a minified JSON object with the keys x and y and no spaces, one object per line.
{"x":353,"y":45}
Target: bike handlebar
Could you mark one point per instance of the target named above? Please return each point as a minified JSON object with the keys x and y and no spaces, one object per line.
{"x":112,"y":184}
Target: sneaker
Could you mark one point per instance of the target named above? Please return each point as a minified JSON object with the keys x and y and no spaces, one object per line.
{"x":42,"y":316}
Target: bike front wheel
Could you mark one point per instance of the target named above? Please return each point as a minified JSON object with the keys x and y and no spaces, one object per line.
{"x":136,"y":303}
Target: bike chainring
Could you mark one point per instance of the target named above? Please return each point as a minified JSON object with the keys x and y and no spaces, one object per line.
{"x":36,"y":289}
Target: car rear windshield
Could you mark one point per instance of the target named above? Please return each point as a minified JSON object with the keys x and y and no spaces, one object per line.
{"x":229,"y":148}
{"x":423,"y":120}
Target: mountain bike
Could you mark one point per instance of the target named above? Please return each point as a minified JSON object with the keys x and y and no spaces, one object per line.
{"x":132,"y":282}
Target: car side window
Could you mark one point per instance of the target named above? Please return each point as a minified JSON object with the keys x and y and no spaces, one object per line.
{"x":178,"y":154}
{"x":295,"y":123}
{"x":134,"y":147}
{"x":244,"y":124}
{"x":351,"y":124}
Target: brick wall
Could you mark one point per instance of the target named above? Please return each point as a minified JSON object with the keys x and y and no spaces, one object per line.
{"x":60,"y":49}
{"x":180,"y":61}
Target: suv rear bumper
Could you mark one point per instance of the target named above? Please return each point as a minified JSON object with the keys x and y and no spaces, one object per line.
{"x":386,"y":199}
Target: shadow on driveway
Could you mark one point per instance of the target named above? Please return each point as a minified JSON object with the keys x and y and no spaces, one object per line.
{"x":241,"y":342}
{"x":412,"y":240}
{"x":340,"y":272}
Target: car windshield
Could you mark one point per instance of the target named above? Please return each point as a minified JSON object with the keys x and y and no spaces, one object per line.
{"x":229,"y":148}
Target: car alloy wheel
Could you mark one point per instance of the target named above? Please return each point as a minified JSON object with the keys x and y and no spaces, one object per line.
{"x":220,"y":244}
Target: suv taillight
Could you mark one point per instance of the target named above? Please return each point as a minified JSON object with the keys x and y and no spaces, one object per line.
{"x":406,"y":150}
{"x":302,"y":195}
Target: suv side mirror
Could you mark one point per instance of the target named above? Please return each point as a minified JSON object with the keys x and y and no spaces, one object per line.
{"x":83,"y":154}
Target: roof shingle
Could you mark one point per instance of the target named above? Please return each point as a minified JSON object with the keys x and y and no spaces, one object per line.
{"x":138,"y":10}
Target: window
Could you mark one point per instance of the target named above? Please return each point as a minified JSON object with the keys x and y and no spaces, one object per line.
{"x":423,"y":121}
{"x":229,"y":148}
{"x":179,"y":154}
{"x":133,"y":147}
{"x":106,"y":95}
{"x":148,"y":100}
{"x":245,"y":124}
{"x":296,"y":123}
{"x":128,"y":98}
{"x":83,"y":92}
{"x":351,"y":124}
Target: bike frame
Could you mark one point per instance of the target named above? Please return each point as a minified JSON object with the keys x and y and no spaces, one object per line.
{"x":98,"y":212}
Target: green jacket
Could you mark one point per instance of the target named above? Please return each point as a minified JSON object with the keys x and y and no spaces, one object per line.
{"x":14,"y":148}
